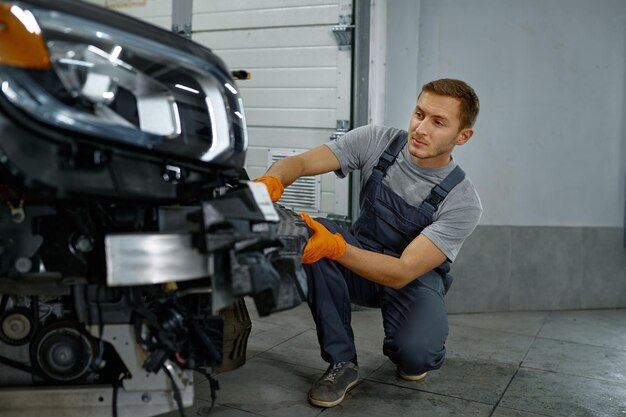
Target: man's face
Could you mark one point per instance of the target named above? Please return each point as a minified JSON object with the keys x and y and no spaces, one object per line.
{"x":434,"y":129}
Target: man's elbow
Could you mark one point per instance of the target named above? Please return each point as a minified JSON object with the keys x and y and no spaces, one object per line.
{"x":406,"y":276}
{"x":401,"y":281}
{"x":403,"y":274}
{"x":397,"y":285}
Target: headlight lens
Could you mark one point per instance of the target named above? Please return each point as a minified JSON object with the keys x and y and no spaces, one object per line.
{"x":120,"y":87}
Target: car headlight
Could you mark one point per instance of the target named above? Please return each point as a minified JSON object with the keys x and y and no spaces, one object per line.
{"x":89,"y":74}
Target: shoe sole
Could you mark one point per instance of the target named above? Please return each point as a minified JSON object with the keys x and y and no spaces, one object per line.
{"x":327,"y":404}
{"x":412,"y":377}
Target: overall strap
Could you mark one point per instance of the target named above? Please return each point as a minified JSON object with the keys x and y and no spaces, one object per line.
{"x":391,"y":153}
{"x":439,"y":192}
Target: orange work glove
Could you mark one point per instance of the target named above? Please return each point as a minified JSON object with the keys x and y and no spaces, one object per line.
{"x":274,"y":187}
{"x":322,"y":244}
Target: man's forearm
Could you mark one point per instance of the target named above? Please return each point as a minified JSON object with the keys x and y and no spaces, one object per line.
{"x":316,"y":161}
{"x":419,"y":257}
{"x":377,"y":267}
{"x":287,"y":170}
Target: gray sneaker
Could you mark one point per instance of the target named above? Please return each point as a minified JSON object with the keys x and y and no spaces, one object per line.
{"x":331,"y":388}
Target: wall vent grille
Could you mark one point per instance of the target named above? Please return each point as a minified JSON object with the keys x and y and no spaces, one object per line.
{"x":302,"y":195}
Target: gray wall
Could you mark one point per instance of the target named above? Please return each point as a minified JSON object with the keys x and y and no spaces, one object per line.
{"x":520,"y":268}
{"x":549,"y":144}
{"x":548,"y":154}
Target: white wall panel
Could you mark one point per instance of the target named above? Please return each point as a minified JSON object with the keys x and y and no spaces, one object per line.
{"x":297,"y":98}
{"x":300,"y":57}
{"x":276,"y":137}
{"x":156,"y":12}
{"x":263,"y":38}
{"x":307,"y":15}
{"x":291,"y":77}
{"x":257,"y":156}
{"x":252,"y":5}
{"x":313,"y":118}
{"x":152,"y":9}
{"x":327,"y":201}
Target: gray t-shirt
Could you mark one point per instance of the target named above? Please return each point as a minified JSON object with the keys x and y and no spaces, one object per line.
{"x":457,"y":215}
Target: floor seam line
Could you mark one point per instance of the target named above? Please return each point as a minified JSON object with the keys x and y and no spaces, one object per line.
{"x":284,"y":341}
{"x":426,"y":391}
{"x":519,"y":366}
{"x":495,"y":406}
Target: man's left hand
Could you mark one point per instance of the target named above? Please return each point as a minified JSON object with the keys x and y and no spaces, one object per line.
{"x":322,"y":244}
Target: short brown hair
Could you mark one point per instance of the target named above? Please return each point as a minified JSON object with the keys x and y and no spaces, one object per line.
{"x":470,"y":105}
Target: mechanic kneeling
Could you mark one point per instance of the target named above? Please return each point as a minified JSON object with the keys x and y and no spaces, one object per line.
{"x":417,"y":208}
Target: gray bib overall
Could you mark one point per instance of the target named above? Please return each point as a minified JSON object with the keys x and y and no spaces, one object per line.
{"x":414,"y":317}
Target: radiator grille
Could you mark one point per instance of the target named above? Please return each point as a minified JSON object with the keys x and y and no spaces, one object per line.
{"x":302,"y":195}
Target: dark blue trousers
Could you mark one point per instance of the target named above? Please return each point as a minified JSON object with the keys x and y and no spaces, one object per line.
{"x":414,"y":317}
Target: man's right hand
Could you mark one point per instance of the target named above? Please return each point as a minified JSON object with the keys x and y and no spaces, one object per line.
{"x":274,"y":187}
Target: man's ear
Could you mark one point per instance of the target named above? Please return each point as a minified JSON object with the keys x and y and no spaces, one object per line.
{"x":464,"y":135}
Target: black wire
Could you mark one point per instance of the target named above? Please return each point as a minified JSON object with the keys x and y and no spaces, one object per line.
{"x":35,"y":309}
{"x":100,"y":328}
{"x":16,"y":365}
{"x":114,"y":402}
{"x":214,"y":385}
{"x":116,"y":387}
{"x":3,"y":303}
{"x":113,"y":175}
{"x":177,"y":396}
{"x":22,"y":367}
{"x":212,"y":350}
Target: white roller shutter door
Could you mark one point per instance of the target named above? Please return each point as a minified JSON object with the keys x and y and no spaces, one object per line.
{"x":300,"y":83}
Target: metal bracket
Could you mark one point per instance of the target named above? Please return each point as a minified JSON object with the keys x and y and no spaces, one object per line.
{"x":182,"y":11}
{"x":342,"y":128}
{"x":185,"y":32}
{"x":343,"y":32}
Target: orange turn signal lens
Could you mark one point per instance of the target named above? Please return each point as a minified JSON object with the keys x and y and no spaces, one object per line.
{"x":21,"y":42}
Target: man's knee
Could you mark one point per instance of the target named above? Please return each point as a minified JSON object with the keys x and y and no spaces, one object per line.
{"x":416,"y":356}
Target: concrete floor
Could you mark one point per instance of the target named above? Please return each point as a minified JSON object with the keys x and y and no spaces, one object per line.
{"x":569,"y":363}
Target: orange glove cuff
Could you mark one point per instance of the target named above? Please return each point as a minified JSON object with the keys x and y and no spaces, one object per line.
{"x":275,"y":188}
{"x":322,"y":244}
